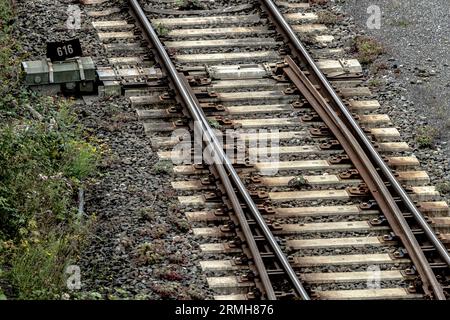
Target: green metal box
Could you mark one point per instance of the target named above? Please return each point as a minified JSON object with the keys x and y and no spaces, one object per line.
{"x":42,"y":72}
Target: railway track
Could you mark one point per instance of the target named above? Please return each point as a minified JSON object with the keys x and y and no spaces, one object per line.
{"x":322,"y":215}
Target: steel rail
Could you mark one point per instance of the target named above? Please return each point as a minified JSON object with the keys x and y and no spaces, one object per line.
{"x":190,"y":101}
{"x":406,"y":234}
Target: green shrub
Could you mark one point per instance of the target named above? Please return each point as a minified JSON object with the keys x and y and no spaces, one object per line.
{"x":213,"y":123}
{"x":163,"y":167}
{"x":44,"y":159}
{"x":147,"y":214}
{"x":45,"y":281}
{"x":150,"y":253}
{"x":425,"y":136}
{"x":6,"y":15}
{"x":182,"y":225}
{"x":39,"y":170}
{"x":158,"y":231}
{"x":82,"y":159}
{"x":367,"y":49}
{"x":162,"y":30}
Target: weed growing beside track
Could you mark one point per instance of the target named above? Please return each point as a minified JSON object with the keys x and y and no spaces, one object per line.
{"x":45,"y":158}
{"x":367,"y":49}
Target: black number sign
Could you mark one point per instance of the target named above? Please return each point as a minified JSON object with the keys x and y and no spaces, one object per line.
{"x":60,"y":51}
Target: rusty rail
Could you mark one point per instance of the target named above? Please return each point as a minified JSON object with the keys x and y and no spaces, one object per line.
{"x":361,"y":151}
{"x":222,"y":163}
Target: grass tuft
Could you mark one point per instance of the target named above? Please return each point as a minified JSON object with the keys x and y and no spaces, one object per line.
{"x":403,"y":23}
{"x":375,"y":82}
{"x":162,"y":30}
{"x":367,"y":49}
{"x":426,"y":136}
{"x":443,"y":187}
{"x":213,"y":123}
{"x":150,"y":253}
{"x":163,"y":167}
